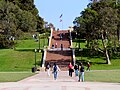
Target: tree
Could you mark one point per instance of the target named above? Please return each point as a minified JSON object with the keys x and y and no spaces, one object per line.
{"x":15,"y":19}
{"x":8,"y":23}
{"x":107,"y":27}
{"x":28,"y":5}
{"x":99,"y":22}
{"x":26,"y":21}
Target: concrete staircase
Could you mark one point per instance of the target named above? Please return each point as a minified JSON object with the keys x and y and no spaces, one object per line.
{"x":56,"y":55}
{"x":61,"y":58}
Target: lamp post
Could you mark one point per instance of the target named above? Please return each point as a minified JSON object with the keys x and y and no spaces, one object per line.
{"x":35,"y":57}
{"x":39,"y":41}
{"x":34,"y":69}
{"x":76,"y":40}
{"x":79,"y":40}
{"x":44,"y":40}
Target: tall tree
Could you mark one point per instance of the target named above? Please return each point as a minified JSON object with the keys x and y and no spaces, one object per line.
{"x":14,"y":19}
{"x":28,"y":5}
{"x":100,"y":20}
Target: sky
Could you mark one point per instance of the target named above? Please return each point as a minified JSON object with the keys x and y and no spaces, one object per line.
{"x":51,"y":10}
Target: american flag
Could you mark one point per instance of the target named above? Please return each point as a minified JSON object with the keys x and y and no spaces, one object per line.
{"x":61,"y":15}
{"x":60,"y":20}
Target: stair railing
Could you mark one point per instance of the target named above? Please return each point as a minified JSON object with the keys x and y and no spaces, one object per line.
{"x":71,"y":46}
{"x":70,"y":38}
{"x":73,"y":53}
{"x":50,"y":38}
{"x":44,"y":57}
{"x":45,"y":49}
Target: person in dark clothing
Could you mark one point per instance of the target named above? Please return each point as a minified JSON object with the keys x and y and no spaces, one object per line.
{"x":61,"y":36}
{"x":57,"y":29}
{"x":53,"y":46}
{"x":76,"y":69}
{"x":61,"y":46}
{"x":55,"y":71}
{"x":81,"y":73}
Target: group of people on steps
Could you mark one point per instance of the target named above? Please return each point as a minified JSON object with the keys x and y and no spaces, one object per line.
{"x":77,"y":69}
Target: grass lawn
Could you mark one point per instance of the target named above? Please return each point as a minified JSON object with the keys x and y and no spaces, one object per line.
{"x":22,"y":58}
{"x":14,"y":76}
{"x":90,"y":76}
{"x":31,"y":44}
{"x":103,"y":76}
{"x":11,"y":60}
{"x":98,"y":61}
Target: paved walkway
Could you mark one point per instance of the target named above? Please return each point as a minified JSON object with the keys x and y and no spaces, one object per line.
{"x":41,"y":81}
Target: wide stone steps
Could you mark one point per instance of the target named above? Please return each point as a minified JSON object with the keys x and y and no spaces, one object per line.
{"x":61,"y":58}
{"x":56,"y":55}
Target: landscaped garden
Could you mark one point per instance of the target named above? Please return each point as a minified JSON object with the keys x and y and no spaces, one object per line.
{"x":18,"y":62}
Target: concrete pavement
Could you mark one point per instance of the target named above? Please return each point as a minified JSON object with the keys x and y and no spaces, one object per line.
{"x":41,"y":81}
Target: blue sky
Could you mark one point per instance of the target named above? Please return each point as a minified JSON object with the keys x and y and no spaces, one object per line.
{"x":51,"y":10}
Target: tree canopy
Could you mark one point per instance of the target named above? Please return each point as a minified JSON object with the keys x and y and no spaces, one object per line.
{"x":100,"y":22}
{"x":17,"y":16}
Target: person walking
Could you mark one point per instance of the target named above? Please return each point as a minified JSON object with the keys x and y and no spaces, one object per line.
{"x":76,"y":69}
{"x":70,"y":67}
{"x":48,"y":69}
{"x":88,"y":66}
{"x":60,"y":36}
{"x":55,"y":71}
{"x":61,"y":47}
{"x":56,"y":45}
{"x":81,"y":73}
{"x":53,"y":46}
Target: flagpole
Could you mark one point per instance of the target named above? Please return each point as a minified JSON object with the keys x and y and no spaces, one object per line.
{"x":62,"y":24}
{"x":61,"y":20}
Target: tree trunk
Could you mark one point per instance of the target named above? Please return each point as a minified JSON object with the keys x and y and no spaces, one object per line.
{"x":107,"y":56}
{"x":119,"y":37}
{"x":115,"y":47}
{"x":88,"y":43}
{"x":106,"y":51}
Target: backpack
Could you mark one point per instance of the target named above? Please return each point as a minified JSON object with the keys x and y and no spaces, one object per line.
{"x":55,"y":68}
